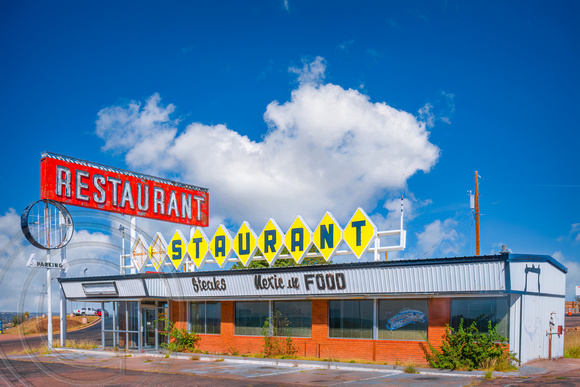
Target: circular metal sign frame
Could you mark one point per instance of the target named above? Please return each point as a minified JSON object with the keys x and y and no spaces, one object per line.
{"x":67,"y":219}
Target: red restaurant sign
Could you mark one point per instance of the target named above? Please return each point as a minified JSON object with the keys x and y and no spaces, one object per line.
{"x":82,"y":183}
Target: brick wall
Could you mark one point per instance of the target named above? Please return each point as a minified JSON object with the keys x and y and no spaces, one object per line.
{"x":320,"y":345}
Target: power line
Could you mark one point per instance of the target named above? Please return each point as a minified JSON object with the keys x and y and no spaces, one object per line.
{"x":444,"y":236}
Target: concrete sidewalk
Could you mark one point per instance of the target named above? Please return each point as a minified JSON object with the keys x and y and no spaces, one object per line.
{"x":158,"y":368}
{"x":535,"y":367}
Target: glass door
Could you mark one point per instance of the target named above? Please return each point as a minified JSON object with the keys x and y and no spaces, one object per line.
{"x":149,"y":324}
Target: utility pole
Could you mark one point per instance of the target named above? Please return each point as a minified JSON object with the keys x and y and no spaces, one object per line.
{"x":476,"y":214}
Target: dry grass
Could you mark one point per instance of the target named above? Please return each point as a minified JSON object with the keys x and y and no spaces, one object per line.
{"x":572,"y":344}
{"x":80,"y":344}
{"x":410,"y":368}
{"x":40,"y":325}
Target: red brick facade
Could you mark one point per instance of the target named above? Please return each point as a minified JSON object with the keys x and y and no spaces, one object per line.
{"x":320,"y":345}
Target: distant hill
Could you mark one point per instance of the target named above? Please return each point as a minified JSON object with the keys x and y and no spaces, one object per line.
{"x":7,"y":316}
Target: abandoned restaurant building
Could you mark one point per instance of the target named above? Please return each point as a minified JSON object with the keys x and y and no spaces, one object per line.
{"x":383,"y":310}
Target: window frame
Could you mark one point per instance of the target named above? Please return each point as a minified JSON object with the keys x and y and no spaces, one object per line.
{"x":190,"y":317}
{"x":497,"y":299}
{"x":274,"y":310}
{"x":269,"y":312}
{"x":403,"y":301}
{"x":372,"y":319}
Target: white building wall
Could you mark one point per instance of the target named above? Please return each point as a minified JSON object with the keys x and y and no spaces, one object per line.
{"x":549,"y":280}
{"x":535,"y":326}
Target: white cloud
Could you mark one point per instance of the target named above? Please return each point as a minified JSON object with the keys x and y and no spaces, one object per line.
{"x":345,"y":46}
{"x":327,"y":149}
{"x":286,"y":5}
{"x":575,"y":232}
{"x":24,"y":288}
{"x":311,"y":73}
{"x":572,"y":276}
{"x":439,"y":237}
{"x":426,"y":115}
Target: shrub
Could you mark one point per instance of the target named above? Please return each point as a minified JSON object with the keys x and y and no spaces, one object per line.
{"x":470,"y":349}
{"x":180,"y":340}
{"x":277,"y":337}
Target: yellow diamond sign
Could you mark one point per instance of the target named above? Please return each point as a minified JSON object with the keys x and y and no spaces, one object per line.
{"x":139,"y":254}
{"x":198,"y":247}
{"x":245,"y":243}
{"x":328,"y":236}
{"x":298,"y":239}
{"x":177,"y":249}
{"x":360,"y":233}
{"x":221,"y":246}
{"x":158,"y":251}
{"x":271,"y":241}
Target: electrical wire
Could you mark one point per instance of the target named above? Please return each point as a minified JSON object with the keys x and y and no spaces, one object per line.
{"x":445,"y":235}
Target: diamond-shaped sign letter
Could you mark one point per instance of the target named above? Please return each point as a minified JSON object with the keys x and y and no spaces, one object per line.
{"x":245,"y":243}
{"x":177,"y":249}
{"x":298,"y":239}
{"x":198,"y":247}
{"x":139,"y":253}
{"x":327,"y":236}
{"x":271,"y":241}
{"x":158,"y":251}
{"x":360,"y":233}
{"x":221,"y":246}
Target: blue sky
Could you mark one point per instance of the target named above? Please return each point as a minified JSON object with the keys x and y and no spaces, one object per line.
{"x":285,"y":108}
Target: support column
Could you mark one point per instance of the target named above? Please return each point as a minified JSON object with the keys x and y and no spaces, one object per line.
{"x":133,"y":238}
{"x":140,"y":325}
{"x":102,"y":325}
{"x":63,"y":311}
{"x":49,"y":297}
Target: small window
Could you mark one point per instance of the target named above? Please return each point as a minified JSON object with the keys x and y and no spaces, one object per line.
{"x":205,"y":317}
{"x":403,"y":319}
{"x":298,"y":316}
{"x":481,"y":310}
{"x":250,"y":317}
{"x":351,"y":319}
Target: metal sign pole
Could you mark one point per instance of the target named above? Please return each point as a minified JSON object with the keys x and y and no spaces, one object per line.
{"x":63,"y":311}
{"x":49,"y":296}
{"x":48,"y":284}
{"x":133,"y":238}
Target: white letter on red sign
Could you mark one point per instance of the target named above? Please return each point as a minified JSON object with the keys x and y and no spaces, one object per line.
{"x":80,"y":185}
{"x":98,"y":182}
{"x":140,"y":205}
{"x":158,"y":200}
{"x":62,"y":179}
{"x":115,"y":182}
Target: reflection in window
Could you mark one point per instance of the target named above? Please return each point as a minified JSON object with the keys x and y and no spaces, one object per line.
{"x":481,"y":310}
{"x":403,"y":319}
{"x":298,"y":315}
{"x":205,"y":317}
{"x":351,"y":319}
{"x":250,"y":317}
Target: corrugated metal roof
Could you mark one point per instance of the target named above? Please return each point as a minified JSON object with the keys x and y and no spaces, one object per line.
{"x":326,"y":280}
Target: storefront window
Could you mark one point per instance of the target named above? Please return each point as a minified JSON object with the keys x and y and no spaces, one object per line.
{"x":250,"y":317}
{"x":403,"y":319}
{"x":351,"y":319}
{"x":205,"y":317}
{"x":481,"y":310}
{"x":297,"y":315}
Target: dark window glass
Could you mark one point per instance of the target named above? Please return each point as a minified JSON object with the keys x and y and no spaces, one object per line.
{"x":250,"y":317}
{"x":351,"y":319}
{"x":205,"y":317}
{"x":297,"y":315}
{"x":481,"y":310}
{"x":403,"y":319}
